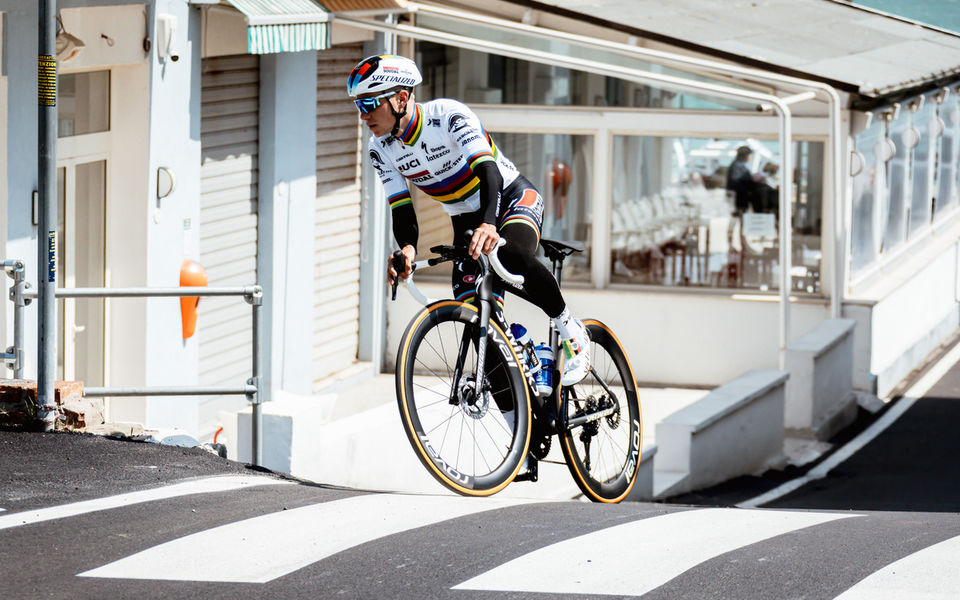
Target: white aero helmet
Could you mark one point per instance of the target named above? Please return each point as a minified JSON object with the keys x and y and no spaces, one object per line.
{"x":380,"y":73}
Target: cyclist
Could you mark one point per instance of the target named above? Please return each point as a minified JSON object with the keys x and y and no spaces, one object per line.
{"x":441,"y":147}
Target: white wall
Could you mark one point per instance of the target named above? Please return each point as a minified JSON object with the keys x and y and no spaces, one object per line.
{"x":913,"y":319}
{"x":671,"y":338}
{"x":4,"y":310}
{"x":171,"y":224}
{"x":126,"y":239}
{"x":285,"y":231}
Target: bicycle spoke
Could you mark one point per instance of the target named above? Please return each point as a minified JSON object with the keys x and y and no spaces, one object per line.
{"x":453,"y":411}
{"x":427,"y":368}
{"x":431,"y":390}
{"x":495,"y":443}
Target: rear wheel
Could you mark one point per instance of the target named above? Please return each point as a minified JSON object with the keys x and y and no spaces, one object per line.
{"x":602,"y":426}
{"x":472,"y":441}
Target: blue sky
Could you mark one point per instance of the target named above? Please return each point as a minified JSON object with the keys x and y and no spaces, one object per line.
{"x":942,"y":13}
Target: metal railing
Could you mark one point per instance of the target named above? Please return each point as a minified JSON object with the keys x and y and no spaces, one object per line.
{"x":21,"y":294}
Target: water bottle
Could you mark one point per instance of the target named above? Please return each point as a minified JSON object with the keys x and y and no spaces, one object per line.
{"x":526,"y":346}
{"x":544,"y":377}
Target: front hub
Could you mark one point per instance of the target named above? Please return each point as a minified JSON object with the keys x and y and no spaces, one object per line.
{"x":472,"y":403}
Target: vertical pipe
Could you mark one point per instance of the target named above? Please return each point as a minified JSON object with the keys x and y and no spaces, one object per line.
{"x":602,"y":208}
{"x":839,"y":223}
{"x":47,"y":233}
{"x":256,"y":417}
{"x":786,"y":237}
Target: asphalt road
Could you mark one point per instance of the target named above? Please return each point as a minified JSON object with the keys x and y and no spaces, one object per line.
{"x":87,"y":517}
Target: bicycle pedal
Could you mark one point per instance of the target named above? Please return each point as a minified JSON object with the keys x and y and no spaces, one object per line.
{"x":530,"y":474}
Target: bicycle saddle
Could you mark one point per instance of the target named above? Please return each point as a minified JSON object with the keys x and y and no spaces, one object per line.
{"x":558,"y":249}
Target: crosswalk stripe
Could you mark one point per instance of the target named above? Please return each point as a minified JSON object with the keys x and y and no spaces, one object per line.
{"x":932,"y":574}
{"x":261,"y":549}
{"x":640,"y":556}
{"x":197,"y":486}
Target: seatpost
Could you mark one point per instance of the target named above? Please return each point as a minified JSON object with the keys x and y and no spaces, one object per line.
{"x":556,"y":263}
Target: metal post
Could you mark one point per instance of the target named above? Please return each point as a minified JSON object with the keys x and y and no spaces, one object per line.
{"x":19,"y":304}
{"x":786,"y":230}
{"x":47,"y":233}
{"x":256,"y":399}
{"x":14,"y":354}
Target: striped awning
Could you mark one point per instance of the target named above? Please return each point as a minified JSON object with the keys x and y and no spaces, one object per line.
{"x":284,"y":25}
{"x":363,"y":5}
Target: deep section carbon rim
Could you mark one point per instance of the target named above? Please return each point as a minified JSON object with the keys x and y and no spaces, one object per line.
{"x":603,"y":453}
{"x":472,"y":441}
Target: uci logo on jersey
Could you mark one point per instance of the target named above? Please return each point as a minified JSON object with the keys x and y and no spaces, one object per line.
{"x":409,"y":165}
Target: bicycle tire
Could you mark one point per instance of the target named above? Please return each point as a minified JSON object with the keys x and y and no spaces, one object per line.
{"x":607,"y":470}
{"x":435,"y":425}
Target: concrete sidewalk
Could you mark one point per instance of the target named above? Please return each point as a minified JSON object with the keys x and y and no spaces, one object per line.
{"x":358,"y":441}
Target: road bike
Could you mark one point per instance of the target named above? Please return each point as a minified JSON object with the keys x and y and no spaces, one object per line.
{"x":468,"y":395}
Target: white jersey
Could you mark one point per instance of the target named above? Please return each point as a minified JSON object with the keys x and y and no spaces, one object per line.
{"x":437,"y":153}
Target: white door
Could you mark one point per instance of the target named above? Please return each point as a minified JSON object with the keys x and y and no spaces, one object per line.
{"x":80,"y":263}
{"x":83,"y":148}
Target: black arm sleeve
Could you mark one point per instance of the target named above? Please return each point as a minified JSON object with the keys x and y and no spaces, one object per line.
{"x":405,"y":228}
{"x":490,"y":185}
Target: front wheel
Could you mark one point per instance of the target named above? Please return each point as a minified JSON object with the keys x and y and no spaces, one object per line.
{"x":601,"y":424}
{"x":473,"y":441}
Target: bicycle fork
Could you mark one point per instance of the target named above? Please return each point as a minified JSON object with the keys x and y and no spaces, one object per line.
{"x":484,"y":298}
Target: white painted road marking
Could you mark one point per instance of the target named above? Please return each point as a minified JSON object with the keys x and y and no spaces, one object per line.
{"x":263,"y":548}
{"x":197,"y":486}
{"x":637,"y":557}
{"x":932,"y":574}
{"x":918,"y":390}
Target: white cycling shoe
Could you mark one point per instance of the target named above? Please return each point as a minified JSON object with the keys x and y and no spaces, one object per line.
{"x":576,"y":357}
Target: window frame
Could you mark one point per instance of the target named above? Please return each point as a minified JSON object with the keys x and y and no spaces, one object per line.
{"x":605,"y":122}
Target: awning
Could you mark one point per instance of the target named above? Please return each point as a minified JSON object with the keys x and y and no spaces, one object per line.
{"x":364,"y":5}
{"x":284,"y":25}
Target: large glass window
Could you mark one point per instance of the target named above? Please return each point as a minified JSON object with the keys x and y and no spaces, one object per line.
{"x":560,"y":167}
{"x":898,"y":173}
{"x":869,"y":197}
{"x":481,"y":78}
{"x":947,"y":194}
{"x":83,"y":103}
{"x":704,"y":212}
{"x":925,"y":127}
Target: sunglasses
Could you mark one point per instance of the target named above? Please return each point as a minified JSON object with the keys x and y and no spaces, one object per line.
{"x":368,"y":105}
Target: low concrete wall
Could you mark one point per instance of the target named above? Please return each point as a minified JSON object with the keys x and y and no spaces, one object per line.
{"x":643,"y":488}
{"x":734,"y":430}
{"x":819,"y":393}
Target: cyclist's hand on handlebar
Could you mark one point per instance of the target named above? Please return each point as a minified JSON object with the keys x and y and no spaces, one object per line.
{"x":485,"y":238}
{"x":409,"y":255}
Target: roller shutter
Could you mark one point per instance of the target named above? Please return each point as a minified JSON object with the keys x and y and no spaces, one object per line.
{"x":337,"y":223}
{"x":228,"y":223}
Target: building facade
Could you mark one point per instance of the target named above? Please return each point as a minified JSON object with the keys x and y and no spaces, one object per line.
{"x":240,"y":105}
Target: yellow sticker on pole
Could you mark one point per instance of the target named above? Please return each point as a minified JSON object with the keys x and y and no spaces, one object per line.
{"x":52,"y":257}
{"x":47,"y":80}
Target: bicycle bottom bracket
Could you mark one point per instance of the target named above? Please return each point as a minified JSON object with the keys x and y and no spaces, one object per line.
{"x":472,"y":404}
